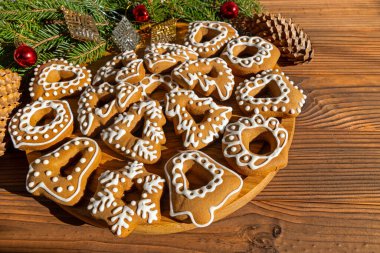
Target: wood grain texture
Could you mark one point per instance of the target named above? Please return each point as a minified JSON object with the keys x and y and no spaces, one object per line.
{"x":326,"y":200}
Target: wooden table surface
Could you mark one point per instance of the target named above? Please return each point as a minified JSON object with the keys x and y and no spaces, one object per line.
{"x":326,"y":200}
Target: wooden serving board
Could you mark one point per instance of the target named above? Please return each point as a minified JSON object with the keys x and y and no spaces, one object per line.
{"x":110,"y":160}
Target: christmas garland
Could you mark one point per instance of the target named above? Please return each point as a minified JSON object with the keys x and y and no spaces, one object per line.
{"x":32,"y":32}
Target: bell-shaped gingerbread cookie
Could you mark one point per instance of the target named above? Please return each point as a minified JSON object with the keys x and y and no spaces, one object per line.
{"x":271,"y":94}
{"x":123,"y":208}
{"x":163,"y":57}
{"x":121,"y":135}
{"x":198,"y":120}
{"x":208,"y":38}
{"x":199,"y":186}
{"x":99,"y":104}
{"x":109,"y":71}
{"x":250,"y":55}
{"x":41,"y":125}
{"x":208,"y":77}
{"x":80,"y":157}
{"x":241,"y":136}
{"x":58,"y":78}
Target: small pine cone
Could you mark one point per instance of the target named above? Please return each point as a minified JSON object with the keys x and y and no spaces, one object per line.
{"x":291,"y":40}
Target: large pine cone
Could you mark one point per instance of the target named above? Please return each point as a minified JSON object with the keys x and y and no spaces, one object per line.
{"x":291,"y":40}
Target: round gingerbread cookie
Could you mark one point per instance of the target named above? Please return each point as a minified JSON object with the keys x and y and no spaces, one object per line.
{"x":57,"y":78}
{"x":41,"y":125}
{"x":126,"y":198}
{"x":163,"y":57}
{"x":270,"y":93}
{"x":250,"y":55}
{"x":208,"y":38}
{"x":45,"y":176}
{"x":208,"y":77}
{"x":216,"y":186}
{"x":240,"y":136}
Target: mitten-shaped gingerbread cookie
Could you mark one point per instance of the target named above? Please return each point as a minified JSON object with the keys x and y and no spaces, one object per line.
{"x":121,"y":135}
{"x":58,"y":78}
{"x":123,"y":208}
{"x":80,"y":157}
{"x":199,"y":186}
{"x":183,"y":106}
{"x":271,"y":94}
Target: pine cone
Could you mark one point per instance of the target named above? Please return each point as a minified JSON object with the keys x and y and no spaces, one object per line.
{"x":9,"y":86}
{"x":291,"y":40}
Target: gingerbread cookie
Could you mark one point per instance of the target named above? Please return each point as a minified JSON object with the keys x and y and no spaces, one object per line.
{"x":240,"y":135}
{"x":133,"y":72}
{"x":163,"y":57}
{"x":99,"y":104}
{"x":41,"y":125}
{"x":108,"y":72}
{"x":45,"y":176}
{"x":212,"y":186}
{"x":120,"y":136}
{"x":250,"y":55}
{"x":206,"y":76}
{"x":208,"y":38}
{"x":151,"y":83}
{"x":114,"y":203}
{"x":181,"y":108}
{"x":58,"y":78}
{"x":271,"y":94}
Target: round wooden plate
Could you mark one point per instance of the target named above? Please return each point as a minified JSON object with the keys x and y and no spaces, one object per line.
{"x":110,"y":160}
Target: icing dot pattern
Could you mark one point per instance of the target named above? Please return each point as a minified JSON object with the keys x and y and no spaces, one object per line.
{"x":285,"y":101}
{"x":57,"y":78}
{"x":29,"y":135}
{"x":45,"y":178}
{"x":236,"y":142}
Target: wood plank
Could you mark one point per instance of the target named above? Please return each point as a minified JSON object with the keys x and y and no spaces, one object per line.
{"x":262,"y":225}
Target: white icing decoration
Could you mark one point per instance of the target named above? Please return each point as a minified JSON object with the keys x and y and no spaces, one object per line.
{"x":209,"y":160}
{"x":26,"y":129}
{"x":206,"y":82}
{"x":153,"y":183}
{"x":106,"y":200}
{"x":245,"y":157}
{"x":130,"y":71}
{"x":264,"y":49}
{"x":133,"y":169}
{"x":187,"y":124}
{"x":122,"y":215}
{"x":146,"y":209}
{"x":72,"y":195}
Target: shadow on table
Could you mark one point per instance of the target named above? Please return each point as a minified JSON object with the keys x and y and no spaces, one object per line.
{"x":13,"y":170}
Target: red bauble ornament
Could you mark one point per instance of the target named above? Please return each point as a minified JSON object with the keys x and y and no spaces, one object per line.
{"x":140,"y":13}
{"x":229,"y":10}
{"x":25,"y":56}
